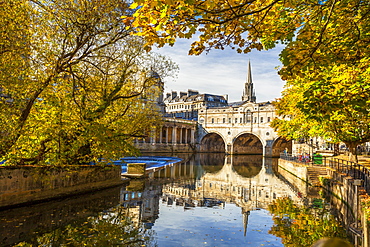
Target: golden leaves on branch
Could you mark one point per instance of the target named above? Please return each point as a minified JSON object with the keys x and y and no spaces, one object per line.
{"x":85,"y":88}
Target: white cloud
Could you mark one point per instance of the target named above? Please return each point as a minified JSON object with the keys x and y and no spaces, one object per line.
{"x":225,"y":72}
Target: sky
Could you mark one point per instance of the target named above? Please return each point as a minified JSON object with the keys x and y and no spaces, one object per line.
{"x":223,"y":72}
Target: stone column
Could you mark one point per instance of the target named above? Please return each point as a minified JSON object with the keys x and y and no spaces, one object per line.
{"x":192,"y":137}
{"x":166,"y":135}
{"x":152,"y":137}
{"x":186,"y":135}
{"x":173,"y":172}
{"x":181,"y":135}
{"x":174,"y":139}
{"x":160,"y":134}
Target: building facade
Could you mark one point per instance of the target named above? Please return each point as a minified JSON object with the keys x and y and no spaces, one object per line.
{"x":241,"y":127}
{"x":216,"y":126}
{"x":247,"y":113}
{"x":186,"y":105}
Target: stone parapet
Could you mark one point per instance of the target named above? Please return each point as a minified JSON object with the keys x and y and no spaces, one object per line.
{"x":165,"y":148}
{"x":25,"y":184}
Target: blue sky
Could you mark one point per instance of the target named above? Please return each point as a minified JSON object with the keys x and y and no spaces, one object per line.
{"x":225,"y":72}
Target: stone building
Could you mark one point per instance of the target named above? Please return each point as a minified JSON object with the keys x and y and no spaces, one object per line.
{"x":246,"y":113}
{"x":207,"y":123}
{"x":240,"y":127}
{"x":186,"y":105}
{"x":243,"y":113}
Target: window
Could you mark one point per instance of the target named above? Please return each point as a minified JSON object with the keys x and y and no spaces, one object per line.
{"x":213,"y":120}
{"x":223,"y":120}
{"x":261,"y":120}
{"x":241,"y":120}
{"x":236,"y":120}
{"x":229,"y":120}
{"x":248,"y":116}
{"x":255,"y":119}
{"x":268,"y":119}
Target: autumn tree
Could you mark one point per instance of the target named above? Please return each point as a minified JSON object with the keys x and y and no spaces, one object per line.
{"x":87,"y":87}
{"x":325,"y":59}
{"x":333,"y":108}
{"x":112,"y":227}
{"x":302,"y":226}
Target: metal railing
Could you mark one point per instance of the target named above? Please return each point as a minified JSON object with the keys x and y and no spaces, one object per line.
{"x":306,"y":159}
{"x":349,"y":168}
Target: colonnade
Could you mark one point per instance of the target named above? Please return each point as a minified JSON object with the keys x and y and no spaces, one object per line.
{"x":172,"y":132}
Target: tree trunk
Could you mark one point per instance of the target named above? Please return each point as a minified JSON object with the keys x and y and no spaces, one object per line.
{"x":336,"y":149}
{"x":353,"y":152}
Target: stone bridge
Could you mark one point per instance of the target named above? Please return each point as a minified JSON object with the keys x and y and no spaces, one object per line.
{"x":178,"y":135}
{"x":240,"y":129}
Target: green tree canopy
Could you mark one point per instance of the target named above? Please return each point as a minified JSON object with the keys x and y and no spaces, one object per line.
{"x":76,"y":85}
{"x":325,"y":59}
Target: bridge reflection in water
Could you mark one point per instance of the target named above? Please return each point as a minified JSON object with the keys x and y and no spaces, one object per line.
{"x":246,"y":180}
{"x":210,"y":181}
{"x":175,"y":206}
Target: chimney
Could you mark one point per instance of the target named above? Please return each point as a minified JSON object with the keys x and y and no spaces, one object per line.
{"x":173,"y":94}
{"x":192,"y":92}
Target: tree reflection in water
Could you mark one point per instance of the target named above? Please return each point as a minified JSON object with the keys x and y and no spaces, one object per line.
{"x":302,"y":226}
{"x":209,"y":199}
{"x":114,"y":227}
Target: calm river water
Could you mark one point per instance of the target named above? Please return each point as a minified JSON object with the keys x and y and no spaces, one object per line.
{"x":206,"y":200}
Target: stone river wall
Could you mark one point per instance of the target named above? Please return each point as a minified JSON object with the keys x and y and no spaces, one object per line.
{"x":20,"y":185}
{"x":342,"y":193}
{"x":296,"y":175}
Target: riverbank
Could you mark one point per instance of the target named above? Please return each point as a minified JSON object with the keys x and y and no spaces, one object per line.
{"x":345,"y":194}
{"x":29,"y":184}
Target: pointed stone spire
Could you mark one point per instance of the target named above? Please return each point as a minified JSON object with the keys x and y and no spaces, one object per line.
{"x":248,"y":92}
{"x":249,"y":76}
{"x":245,"y":221}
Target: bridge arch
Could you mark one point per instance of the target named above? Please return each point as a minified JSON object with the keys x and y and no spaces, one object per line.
{"x":212,"y":163}
{"x":247,"y":167}
{"x":212,"y":143}
{"x":279,"y":145}
{"x":247,"y":143}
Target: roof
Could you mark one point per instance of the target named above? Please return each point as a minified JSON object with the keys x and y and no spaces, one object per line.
{"x":196,"y":98}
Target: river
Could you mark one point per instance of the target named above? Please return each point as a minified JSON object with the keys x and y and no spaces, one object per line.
{"x":206,"y":200}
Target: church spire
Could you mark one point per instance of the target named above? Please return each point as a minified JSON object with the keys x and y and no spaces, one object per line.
{"x":249,"y":76}
{"x":248,"y":93}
